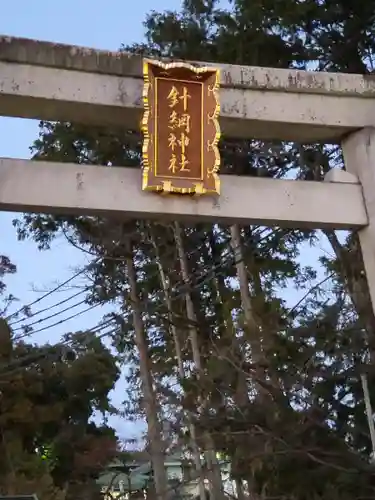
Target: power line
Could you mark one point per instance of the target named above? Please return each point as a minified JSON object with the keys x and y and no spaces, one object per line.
{"x":28,"y":334}
{"x":53,"y":290}
{"x":50,"y":316}
{"x":191,"y":286}
{"x":46,"y":308}
{"x":60,"y":286}
{"x":194,"y":283}
{"x":207,"y":275}
{"x":35,"y":356}
{"x":62,"y":301}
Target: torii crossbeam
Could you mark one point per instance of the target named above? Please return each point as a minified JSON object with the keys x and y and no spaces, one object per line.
{"x":61,"y":82}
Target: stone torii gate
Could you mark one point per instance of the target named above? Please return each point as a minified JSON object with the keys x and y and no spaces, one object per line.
{"x":48,"y":81}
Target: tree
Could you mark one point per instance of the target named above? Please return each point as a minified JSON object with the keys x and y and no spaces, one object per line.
{"x":6,"y":267}
{"x":275,"y":390}
{"x":49,"y":444}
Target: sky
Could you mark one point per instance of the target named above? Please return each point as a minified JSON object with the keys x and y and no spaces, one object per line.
{"x":97,"y":24}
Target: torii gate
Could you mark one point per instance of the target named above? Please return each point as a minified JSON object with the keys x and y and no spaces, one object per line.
{"x":60,"y":82}
{"x":49,"y":81}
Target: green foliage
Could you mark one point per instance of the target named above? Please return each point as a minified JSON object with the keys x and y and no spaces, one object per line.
{"x":6,"y":268}
{"x":283,"y":399}
{"x":48,"y":438}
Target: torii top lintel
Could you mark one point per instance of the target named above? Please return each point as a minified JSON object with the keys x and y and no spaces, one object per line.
{"x":264,"y":103}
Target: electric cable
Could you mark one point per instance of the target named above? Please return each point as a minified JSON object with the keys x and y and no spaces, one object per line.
{"x":38,"y":321}
{"x":27,"y":334}
{"x":50,"y":292}
{"x":112,"y":320}
{"x":47,"y":308}
{"x":48,"y":348}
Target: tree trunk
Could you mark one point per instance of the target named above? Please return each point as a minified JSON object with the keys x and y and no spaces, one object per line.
{"x":181,"y":371}
{"x":240,"y":489}
{"x":354,"y":276}
{"x":252,"y":327}
{"x":251,"y":324}
{"x":241,"y":395}
{"x":216,"y":485}
{"x":149,"y":397}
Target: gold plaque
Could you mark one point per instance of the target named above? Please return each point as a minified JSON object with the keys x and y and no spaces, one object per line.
{"x":180,"y":128}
